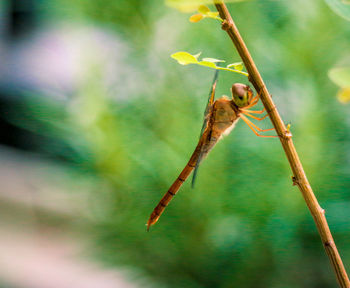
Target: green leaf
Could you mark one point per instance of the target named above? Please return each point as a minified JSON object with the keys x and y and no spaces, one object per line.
{"x":340,"y":7}
{"x":208,"y":64}
{"x":196,"y":18}
{"x":340,"y":76}
{"x":197,"y":55}
{"x":184,"y":58}
{"x":212,"y":60}
{"x":236,"y":66}
{"x":232,"y":70}
{"x":203,"y":9}
{"x":212,"y":14}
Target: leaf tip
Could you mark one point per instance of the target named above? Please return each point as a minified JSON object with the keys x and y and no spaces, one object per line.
{"x":196,"y":18}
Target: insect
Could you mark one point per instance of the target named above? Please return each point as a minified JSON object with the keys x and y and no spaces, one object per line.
{"x":220,"y":117}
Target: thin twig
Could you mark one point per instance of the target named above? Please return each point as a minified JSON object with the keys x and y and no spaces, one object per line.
{"x":285,"y":136}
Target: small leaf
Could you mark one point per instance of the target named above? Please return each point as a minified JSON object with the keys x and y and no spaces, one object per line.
{"x":340,"y":76}
{"x":197,"y":55}
{"x":344,"y":95}
{"x":212,"y":14}
{"x":196,"y":18}
{"x":208,"y":64}
{"x":184,"y":58}
{"x":203,"y":9}
{"x":212,"y":60}
{"x":237,"y":66}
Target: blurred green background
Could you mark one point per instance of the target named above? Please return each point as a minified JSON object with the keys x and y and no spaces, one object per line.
{"x":93,"y":106}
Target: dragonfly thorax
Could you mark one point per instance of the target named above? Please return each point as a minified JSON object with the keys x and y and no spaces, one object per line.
{"x":241,"y":95}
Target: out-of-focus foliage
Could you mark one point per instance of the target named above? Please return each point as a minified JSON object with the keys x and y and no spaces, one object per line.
{"x":191,"y":5}
{"x":344,"y":95}
{"x":244,"y":225}
{"x":341,"y":7}
{"x":341,"y":77}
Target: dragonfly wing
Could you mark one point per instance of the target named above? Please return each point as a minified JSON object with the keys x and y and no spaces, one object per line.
{"x":194,"y":175}
{"x":207,"y":111}
{"x":209,"y":103}
{"x":208,"y":140}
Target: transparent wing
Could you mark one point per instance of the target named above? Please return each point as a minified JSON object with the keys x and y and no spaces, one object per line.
{"x":205,"y":123}
{"x":194,"y":175}
{"x":209,"y":103}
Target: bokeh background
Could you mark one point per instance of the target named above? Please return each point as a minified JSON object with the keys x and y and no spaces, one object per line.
{"x":97,"y":121}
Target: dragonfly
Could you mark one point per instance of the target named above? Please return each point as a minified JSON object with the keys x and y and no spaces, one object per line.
{"x":220,"y":117}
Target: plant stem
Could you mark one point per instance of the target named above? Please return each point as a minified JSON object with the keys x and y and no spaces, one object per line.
{"x":285,"y":136}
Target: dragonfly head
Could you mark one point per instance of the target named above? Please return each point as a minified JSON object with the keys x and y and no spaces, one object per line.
{"x":241,"y":95}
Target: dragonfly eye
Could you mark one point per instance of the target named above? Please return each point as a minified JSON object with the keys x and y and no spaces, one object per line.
{"x":241,"y":94}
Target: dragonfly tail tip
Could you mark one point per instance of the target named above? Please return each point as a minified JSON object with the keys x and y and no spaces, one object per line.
{"x":149,"y":224}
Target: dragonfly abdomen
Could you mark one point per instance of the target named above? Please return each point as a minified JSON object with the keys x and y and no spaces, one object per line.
{"x":174,"y":188}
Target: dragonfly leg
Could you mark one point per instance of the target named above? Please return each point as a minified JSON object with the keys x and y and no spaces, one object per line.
{"x":254,"y":117}
{"x":256,"y":127}
{"x":255,"y":100}
{"x":253,"y":103}
{"x":253,"y":127}
{"x":254,"y":112}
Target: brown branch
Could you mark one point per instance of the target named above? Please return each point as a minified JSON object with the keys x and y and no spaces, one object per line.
{"x":285,"y":136}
